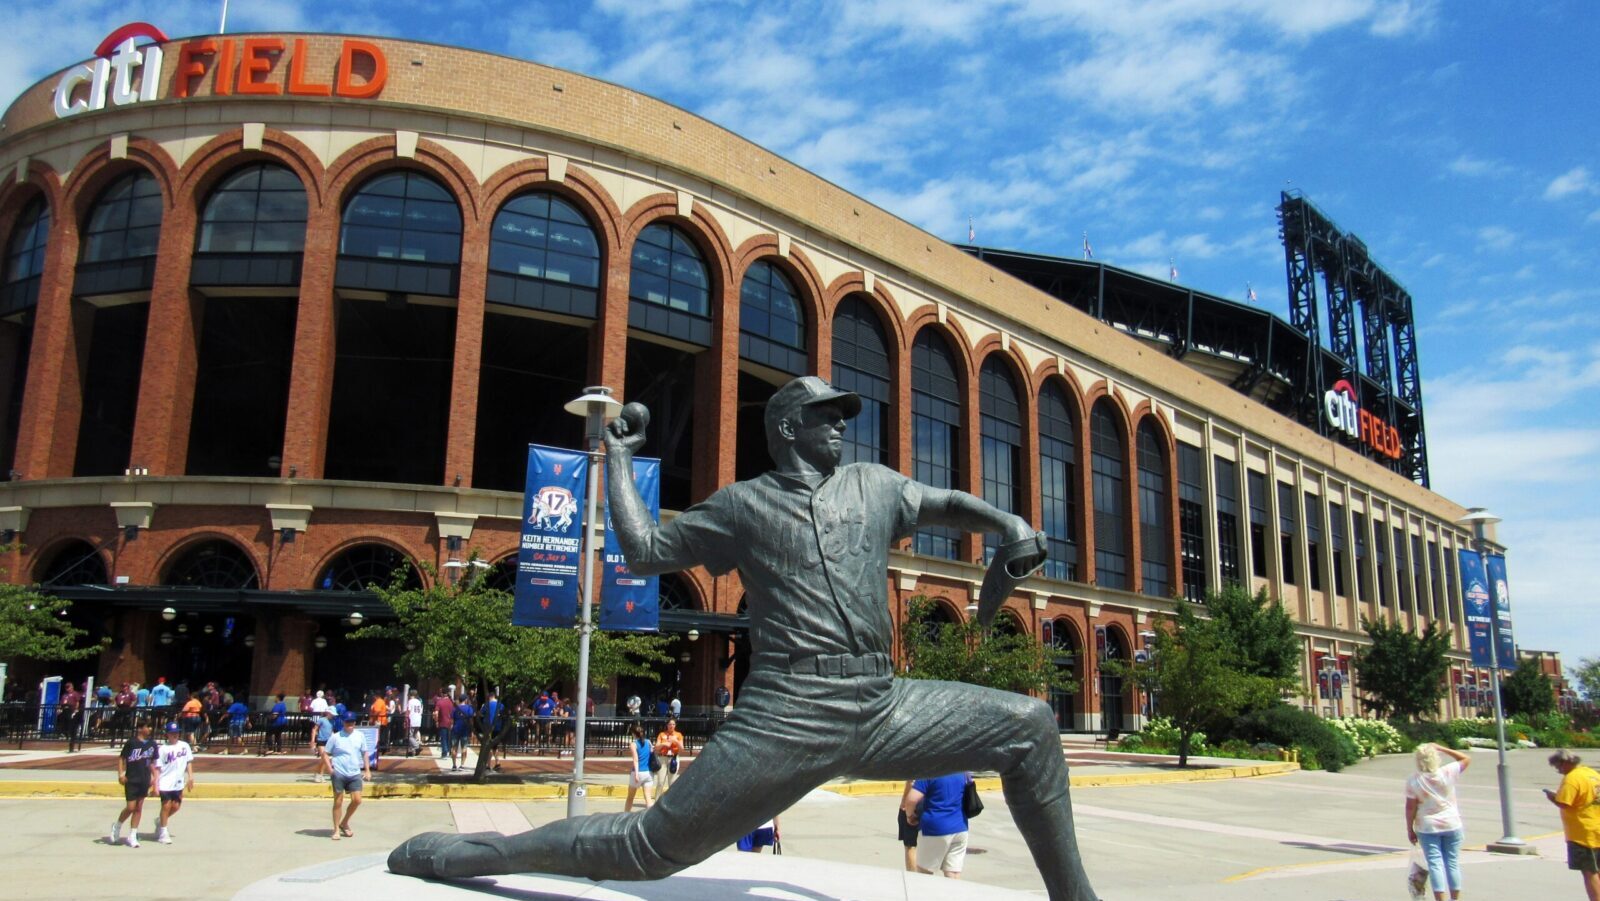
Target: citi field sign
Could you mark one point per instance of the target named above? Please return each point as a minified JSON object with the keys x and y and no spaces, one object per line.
{"x":126,"y":70}
{"x":1344,"y":414}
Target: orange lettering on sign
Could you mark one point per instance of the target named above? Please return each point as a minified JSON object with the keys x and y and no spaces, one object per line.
{"x":297,"y":74}
{"x":345,"y":84}
{"x":191,"y":65}
{"x":224,"y":82}
{"x":258,"y":59}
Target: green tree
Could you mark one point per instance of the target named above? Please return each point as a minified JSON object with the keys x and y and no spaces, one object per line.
{"x":966,"y":652}
{"x":1401,"y":672}
{"x":463,"y":633}
{"x":1587,"y":675}
{"x":34,"y":625}
{"x":1194,"y":675}
{"x":1257,"y":633}
{"x":1527,"y":692}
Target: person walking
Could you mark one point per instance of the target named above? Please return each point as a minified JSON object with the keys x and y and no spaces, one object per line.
{"x":136,"y":772}
{"x":462,"y":741}
{"x":669,"y":744}
{"x":492,"y":713}
{"x":908,"y":831}
{"x":413,"y":724}
{"x":70,"y":719}
{"x":238,"y":722}
{"x":175,"y":766}
{"x":444,"y":719}
{"x":275,"y":727}
{"x":1433,"y":818}
{"x":349,"y":757}
{"x":325,"y":727}
{"x":934,"y":807}
{"x":767,"y":835}
{"x":380,"y":717}
{"x":641,"y":778}
{"x":1578,"y":798}
{"x":191,"y":716}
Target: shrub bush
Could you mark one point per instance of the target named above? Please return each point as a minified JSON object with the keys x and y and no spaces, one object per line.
{"x":1321,"y":746}
{"x":1416,"y":732}
{"x":1371,"y":737}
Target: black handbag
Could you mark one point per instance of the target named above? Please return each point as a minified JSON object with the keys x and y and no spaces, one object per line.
{"x":971,"y":804}
{"x":655,"y":763}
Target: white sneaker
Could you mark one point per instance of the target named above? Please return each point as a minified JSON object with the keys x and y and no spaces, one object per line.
{"x":133,"y":840}
{"x":115,"y":834}
{"x":163,"y":836}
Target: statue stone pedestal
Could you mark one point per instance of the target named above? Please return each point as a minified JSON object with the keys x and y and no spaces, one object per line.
{"x":729,"y":874}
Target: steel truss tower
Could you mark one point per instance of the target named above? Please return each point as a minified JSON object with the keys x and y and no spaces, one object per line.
{"x":1312,"y":243}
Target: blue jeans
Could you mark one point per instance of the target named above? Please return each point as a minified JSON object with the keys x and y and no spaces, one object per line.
{"x":1443,"y":853}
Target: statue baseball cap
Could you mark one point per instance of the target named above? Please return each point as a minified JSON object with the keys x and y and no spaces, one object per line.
{"x":805,"y":391}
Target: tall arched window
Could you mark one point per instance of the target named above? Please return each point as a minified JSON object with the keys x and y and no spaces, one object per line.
{"x":1000,"y":437}
{"x":935,"y":433}
{"x":125,"y":222}
{"x":19,"y":288}
{"x":1155,"y":513}
{"x":668,"y":271}
{"x":861,"y":364}
{"x":1110,"y":499}
{"x":543,"y":255}
{"x":401,"y":233}
{"x":72,"y":563}
{"x":772,"y":329}
{"x":212,"y":564}
{"x":260,"y":208}
{"x":365,"y":565}
{"x":1058,"y":480}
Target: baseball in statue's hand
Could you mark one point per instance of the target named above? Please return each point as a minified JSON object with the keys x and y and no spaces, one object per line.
{"x":636,"y":416}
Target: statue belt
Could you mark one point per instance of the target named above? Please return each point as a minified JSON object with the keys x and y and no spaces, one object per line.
{"x":832,"y":665}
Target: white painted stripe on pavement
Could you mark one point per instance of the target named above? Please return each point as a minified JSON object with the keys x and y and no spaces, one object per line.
{"x":1271,"y":835}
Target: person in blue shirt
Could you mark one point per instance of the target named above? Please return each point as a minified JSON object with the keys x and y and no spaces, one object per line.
{"x":492,"y":712}
{"x":463,"y":728}
{"x":323,"y":732}
{"x":161,"y":693}
{"x":349,"y":757}
{"x":641,"y":777}
{"x":544,"y":708}
{"x":142,"y":697}
{"x":238,"y":721}
{"x":934,"y":807}
{"x":275,"y":727}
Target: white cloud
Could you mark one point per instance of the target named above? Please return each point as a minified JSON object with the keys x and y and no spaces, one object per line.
{"x":1404,"y":17}
{"x":1496,"y":237}
{"x":1474,"y":167}
{"x":562,"y":48}
{"x":1574,"y":181}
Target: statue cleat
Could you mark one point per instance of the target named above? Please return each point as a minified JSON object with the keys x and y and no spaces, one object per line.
{"x":446,"y":855}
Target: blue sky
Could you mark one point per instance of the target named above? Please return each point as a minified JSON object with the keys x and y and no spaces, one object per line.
{"x":1460,"y":141}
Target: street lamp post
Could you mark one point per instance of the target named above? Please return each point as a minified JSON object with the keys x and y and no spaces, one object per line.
{"x":596,"y":406}
{"x":1509,"y":843}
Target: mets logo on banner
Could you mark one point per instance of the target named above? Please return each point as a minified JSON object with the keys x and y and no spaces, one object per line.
{"x":553,"y":509}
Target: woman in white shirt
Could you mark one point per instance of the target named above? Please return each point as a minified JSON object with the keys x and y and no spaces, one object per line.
{"x":1434,"y":818}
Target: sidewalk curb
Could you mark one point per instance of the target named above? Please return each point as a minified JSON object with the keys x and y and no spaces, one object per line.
{"x":549,"y":792}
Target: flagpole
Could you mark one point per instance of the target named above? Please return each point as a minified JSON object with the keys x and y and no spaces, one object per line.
{"x":223,"y":28}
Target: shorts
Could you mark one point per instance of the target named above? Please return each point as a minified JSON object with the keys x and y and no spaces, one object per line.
{"x":908,"y":832}
{"x":346,"y":784}
{"x":942,"y":853}
{"x":638,"y":778}
{"x":322,"y":742}
{"x":1583,"y":858}
{"x":134,"y":792}
{"x":192,"y":723}
{"x":236,"y":730}
{"x":755,"y":841}
{"x":174,"y":797}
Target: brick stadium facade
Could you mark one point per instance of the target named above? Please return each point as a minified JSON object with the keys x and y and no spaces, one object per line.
{"x":292,"y":319}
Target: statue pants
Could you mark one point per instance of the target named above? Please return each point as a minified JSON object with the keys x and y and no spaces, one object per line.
{"x":789,"y":734}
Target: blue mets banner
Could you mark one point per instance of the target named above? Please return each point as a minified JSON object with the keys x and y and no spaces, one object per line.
{"x":552,"y":538}
{"x":1478,"y":607}
{"x":1496,"y":565}
{"x":630,"y":603}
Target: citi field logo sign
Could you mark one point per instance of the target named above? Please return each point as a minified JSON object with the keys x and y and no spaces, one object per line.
{"x":1344,"y":414}
{"x":110,"y":75}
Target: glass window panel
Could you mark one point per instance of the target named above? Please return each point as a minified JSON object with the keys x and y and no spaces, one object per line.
{"x":280,"y":237}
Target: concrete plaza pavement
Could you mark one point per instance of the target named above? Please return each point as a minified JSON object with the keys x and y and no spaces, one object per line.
{"x":1313,"y":835}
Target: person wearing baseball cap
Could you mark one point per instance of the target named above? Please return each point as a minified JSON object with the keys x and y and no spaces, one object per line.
{"x":175,"y":769}
{"x":811,"y":541}
{"x":347,"y":754}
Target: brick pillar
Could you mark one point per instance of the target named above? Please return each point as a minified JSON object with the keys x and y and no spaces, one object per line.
{"x":716,"y":389}
{"x":47,"y":435}
{"x":972,"y":449}
{"x":608,"y":347}
{"x":305,"y":435}
{"x":135,"y":648}
{"x":473,"y":284}
{"x":171,"y":354}
{"x":1130,"y":492}
{"x":1085,"y":467}
{"x":282,"y":656}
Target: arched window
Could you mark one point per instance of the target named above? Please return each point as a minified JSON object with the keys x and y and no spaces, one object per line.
{"x":935,"y":433}
{"x":1112,"y":646}
{"x":125,"y":222}
{"x":502,"y":576}
{"x":212,"y":564}
{"x":365,"y":565}
{"x":861,"y":364}
{"x":772,"y":329}
{"x":543,"y":255}
{"x":668,"y":271}
{"x":24,"y":261}
{"x":402,"y":216}
{"x":73,"y":563}
{"x":671,"y":594}
{"x":1058,"y":480}
{"x":260,"y":208}
{"x":1155,"y":513}
{"x":1110,"y":501}
{"x":1000,"y":435}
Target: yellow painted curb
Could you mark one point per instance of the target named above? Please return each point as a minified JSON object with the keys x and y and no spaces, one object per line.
{"x":553,"y":791}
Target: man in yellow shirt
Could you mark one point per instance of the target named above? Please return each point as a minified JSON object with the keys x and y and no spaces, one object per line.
{"x":1579,"y":800}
